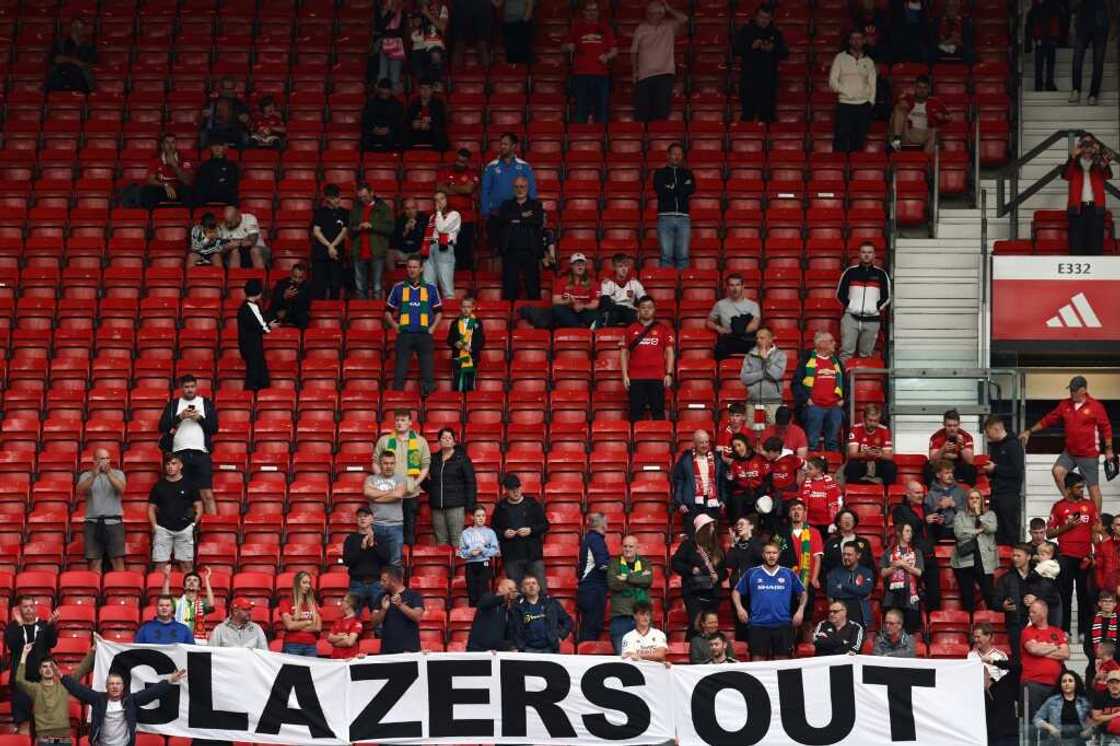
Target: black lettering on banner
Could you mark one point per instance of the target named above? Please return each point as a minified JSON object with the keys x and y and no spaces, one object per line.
{"x":398,"y":677}
{"x":515,"y":699}
{"x":443,"y":696}
{"x":757,"y":701}
{"x":200,"y":709}
{"x":791,"y":699}
{"x":122,"y":664}
{"x":307,"y":712}
{"x":900,"y":697}
{"x":631,"y":705}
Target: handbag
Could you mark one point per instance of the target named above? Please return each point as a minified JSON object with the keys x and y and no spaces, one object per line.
{"x":393,"y":47}
{"x":968,"y":547}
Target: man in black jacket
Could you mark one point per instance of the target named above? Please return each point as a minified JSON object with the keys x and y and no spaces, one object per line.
{"x":382,"y":118}
{"x":522,"y":222}
{"x":27,"y":628}
{"x":217,"y":179}
{"x":492,"y":628}
{"x":1011,"y":587}
{"x":408,"y":234}
{"x":837,"y":635}
{"x":520,"y":523}
{"x":115,"y":693}
{"x":364,"y":559}
{"x":540,"y":623}
{"x":427,"y":120}
{"x":251,"y":328}
{"x":291,"y":298}
{"x":864,"y":291}
{"x":674,"y":185}
{"x":1005,"y":474}
{"x":761,"y":46}
{"x":188,"y":425}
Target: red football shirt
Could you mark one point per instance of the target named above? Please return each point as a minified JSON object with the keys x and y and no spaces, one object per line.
{"x":723,"y":441}
{"x":823,"y":393}
{"x":794,"y":438}
{"x":303,"y":614}
{"x":591,"y":41}
{"x":1037,"y":668}
{"x":346,"y":626}
{"x":880,"y":437}
{"x":165,"y":173}
{"x":750,"y":473}
{"x":822,"y":498}
{"x":581,"y":293}
{"x":1078,"y":541}
{"x":647,"y":359}
{"x":464,"y":203}
{"x":940,"y":441}
{"x":783,"y":473}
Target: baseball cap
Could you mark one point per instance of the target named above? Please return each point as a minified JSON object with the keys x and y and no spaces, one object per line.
{"x":511,"y":482}
{"x":1073,"y":478}
{"x":1077,"y":382}
{"x":242,"y":603}
{"x":577,"y":257}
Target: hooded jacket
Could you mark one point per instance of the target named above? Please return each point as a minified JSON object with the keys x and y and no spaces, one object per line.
{"x":451,"y":483}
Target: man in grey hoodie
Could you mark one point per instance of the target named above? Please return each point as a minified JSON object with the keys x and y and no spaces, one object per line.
{"x":762,"y":372}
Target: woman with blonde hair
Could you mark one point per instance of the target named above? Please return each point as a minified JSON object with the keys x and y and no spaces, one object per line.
{"x":974,"y":557}
{"x":300,"y":617}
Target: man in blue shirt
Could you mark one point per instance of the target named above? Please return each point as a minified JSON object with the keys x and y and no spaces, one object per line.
{"x":418,"y":308}
{"x":497,"y":184}
{"x":771,"y":591}
{"x":164,"y":630}
{"x":851,"y":584}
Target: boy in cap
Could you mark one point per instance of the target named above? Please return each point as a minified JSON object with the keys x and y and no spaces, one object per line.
{"x":251,"y":328}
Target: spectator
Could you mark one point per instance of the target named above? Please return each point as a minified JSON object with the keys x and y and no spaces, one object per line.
{"x":408,"y":233}
{"x":452,"y":489}
{"x":736,"y":425}
{"x":217,"y":179}
{"x":188,"y":425}
{"x":893,"y":641}
{"x":1101,"y":663}
{"x":413,"y":462}
{"x":788,"y":432}
{"x":389,"y":31}
{"x":1092,"y":28}
{"x":478,"y":547}
{"x":575,"y":302}
{"x":239,"y":630}
{"x":382,"y":119}
{"x":520,"y":523}
{"x":746,"y":552}
{"x":629,"y":578}
{"x":205,"y":242}
{"x":912,"y":512}
{"x":699,"y":481}
{"x":470,"y":24}
{"x":385,"y":489}
{"x":735,"y":318}
{"x":103,"y":487}
{"x":763,"y":370}
{"x":466,"y":338}
{"x":429,"y":54}
{"x":1044,"y":581}
{"x":953,"y":41}
{"x":328,"y":231}
{"x":864,"y":291}
{"x":592,"y":45}
{"x":1106,"y":554}
{"x":267,"y":128}
{"x":852,"y":78}
{"x":1072,"y":519}
{"x":620,"y":293}
{"x":807,"y":546}
{"x":440,"y":238}
{"x":1037,"y":531}
{"x":699,"y":647}
{"x":419,"y":309}
{"x":242,"y":231}
{"x":785,"y":473}
{"x":163,"y":629}
{"x":821,"y":495}
{"x":1004,"y":468}
{"x":974,"y":557}
{"x":746,"y":474}
{"x":170,"y":176}
{"x":73,"y":56}
{"x":999,"y":704}
{"x":870,"y":20}
{"x":1086,"y":424}
{"x":819,"y":387}
{"x":517,"y":30}
{"x":370,"y":225}
{"x":771,"y":591}
{"x":398,"y":613}
{"x":954,"y":445}
{"x":426,"y":120}
{"x":26,"y":628}
{"x":674,"y":185}
{"x":910,"y":30}
{"x":1044,"y":649}
{"x":520,"y":224}
{"x":1106,"y":709}
{"x":291,"y":298}
{"x":845,"y":534}
{"x":251,"y":328}
{"x":651,"y":58}
{"x":870,"y":450}
{"x":850,"y":585}
{"x":540,"y":623}
{"x":720,"y":650}
{"x":645,"y":642}
{"x":115,"y":712}
{"x":225,"y":118}
{"x":192,"y":607}
{"x":699,"y":562}
{"x":1011,"y":591}
{"x":346,"y":631}
{"x":492,"y":628}
{"x":499,"y":178}
{"x":364,"y":557}
{"x":917,"y":117}
{"x":901,"y":567}
{"x":300,"y":618}
{"x":944,"y":500}
{"x":762,"y":47}
{"x":174,"y":507}
{"x":1046,"y":26}
{"x":594,"y":560}
{"x":459,"y":182}
{"x":646,"y":357}
{"x":838,"y":635}
{"x":1105,"y":627}
{"x":49,"y":701}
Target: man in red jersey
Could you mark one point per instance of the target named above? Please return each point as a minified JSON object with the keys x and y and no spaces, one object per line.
{"x":736,"y":425}
{"x":1071,"y":522}
{"x":646,"y":357}
{"x":459,"y":182}
{"x":787,"y":431}
{"x":1086,"y":424}
{"x":952,"y":444}
{"x":870,"y":451}
{"x":592,"y":46}
{"x":1043,"y":649}
{"x":819,"y":389}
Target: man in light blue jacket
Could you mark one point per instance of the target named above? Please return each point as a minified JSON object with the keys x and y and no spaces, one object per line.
{"x":497,"y":184}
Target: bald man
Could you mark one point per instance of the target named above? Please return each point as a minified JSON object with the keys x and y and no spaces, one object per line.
{"x":492,"y":628}
{"x":699,"y":481}
{"x":103,"y":487}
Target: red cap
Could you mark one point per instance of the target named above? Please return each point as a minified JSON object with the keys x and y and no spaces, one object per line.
{"x":242,"y":603}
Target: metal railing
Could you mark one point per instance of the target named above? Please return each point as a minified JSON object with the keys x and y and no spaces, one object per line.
{"x":983,"y":308}
{"x":935,"y":198}
{"x":892,"y":248}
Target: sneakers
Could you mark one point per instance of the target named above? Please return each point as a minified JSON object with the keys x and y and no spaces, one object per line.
{"x":1092,"y":101}
{"x":896,"y":143}
{"x":1075,"y":97}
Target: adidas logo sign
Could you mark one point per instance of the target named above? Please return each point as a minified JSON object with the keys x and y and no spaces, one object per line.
{"x":1075,"y":315}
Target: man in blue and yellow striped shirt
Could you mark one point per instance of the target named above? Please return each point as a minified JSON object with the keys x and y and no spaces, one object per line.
{"x":417,"y":306}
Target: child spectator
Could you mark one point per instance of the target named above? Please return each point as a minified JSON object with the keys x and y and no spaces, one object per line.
{"x":1101,"y":662}
{"x":478,"y":545}
{"x":1043,"y":581}
{"x":1106,"y":623}
{"x":821,"y":495}
{"x":347,"y":630}
{"x":465,"y":338}
{"x":618,"y":304}
{"x":268,"y":128}
{"x":205,"y":243}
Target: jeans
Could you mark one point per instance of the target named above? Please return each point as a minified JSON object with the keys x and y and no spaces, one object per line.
{"x":295,"y":648}
{"x":828,"y":418}
{"x":393,"y":537}
{"x":673,"y":235}
{"x":367,"y":277}
{"x":620,"y":625}
{"x":367,"y":592}
{"x":391,"y":69}
{"x":1096,"y":35}
{"x":592,"y":94}
{"x":440,"y":266}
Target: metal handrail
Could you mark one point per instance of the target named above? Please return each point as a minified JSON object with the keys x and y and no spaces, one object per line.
{"x":982,"y":307}
{"x":892,"y":250}
{"x":976,"y":161}
{"x":935,"y":198}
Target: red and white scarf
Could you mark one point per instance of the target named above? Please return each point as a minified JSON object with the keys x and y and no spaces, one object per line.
{"x":900,"y":580}
{"x":705,"y":482}
{"x":432,"y":236}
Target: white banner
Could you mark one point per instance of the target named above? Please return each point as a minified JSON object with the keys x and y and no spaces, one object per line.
{"x":232,"y":694}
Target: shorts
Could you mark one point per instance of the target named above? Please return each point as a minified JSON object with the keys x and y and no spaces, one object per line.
{"x":1090,"y":468}
{"x":166,"y":543}
{"x":198,"y":468}
{"x":110,"y":540}
{"x":770,"y":641}
{"x":915,"y":137}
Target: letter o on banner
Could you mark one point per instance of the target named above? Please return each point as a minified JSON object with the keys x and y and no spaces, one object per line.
{"x":755,"y":698}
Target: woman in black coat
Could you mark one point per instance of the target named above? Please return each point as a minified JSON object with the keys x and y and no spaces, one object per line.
{"x":699,"y":562}
{"x":452,"y":489}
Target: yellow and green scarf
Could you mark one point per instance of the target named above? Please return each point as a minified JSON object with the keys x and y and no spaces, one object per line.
{"x":805,"y":556}
{"x":413,"y":458}
{"x":467,"y":325}
{"x":425,"y":311}
{"x":638,"y":594}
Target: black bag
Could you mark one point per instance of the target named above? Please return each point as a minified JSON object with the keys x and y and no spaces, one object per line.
{"x":739,"y":324}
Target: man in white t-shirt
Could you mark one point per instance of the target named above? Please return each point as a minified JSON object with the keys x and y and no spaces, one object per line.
{"x":243,"y":230}
{"x":620,"y":293}
{"x":644,"y":642}
{"x":188,"y":425}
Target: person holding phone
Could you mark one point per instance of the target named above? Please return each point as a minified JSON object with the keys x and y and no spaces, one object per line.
{"x":189,"y":424}
{"x":1088,"y":168}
